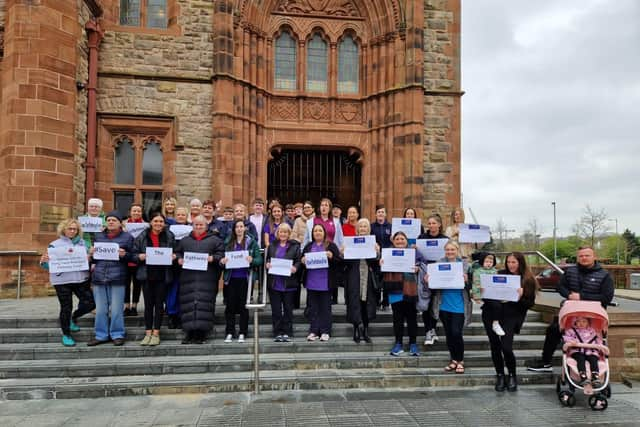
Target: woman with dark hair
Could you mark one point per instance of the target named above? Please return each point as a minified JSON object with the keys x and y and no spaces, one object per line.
{"x":132,"y":294}
{"x":300,"y":224}
{"x":332,"y":225}
{"x":350,"y":227}
{"x":511,"y":316}
{"x":319,"y":283}
{"x":155,"y":278}
{"x":236,"y":280}
{"x":411,"y":213}
{"x":276,"y":217}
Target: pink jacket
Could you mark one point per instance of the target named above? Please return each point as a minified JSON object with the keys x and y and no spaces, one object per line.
{"x":586,"y":335}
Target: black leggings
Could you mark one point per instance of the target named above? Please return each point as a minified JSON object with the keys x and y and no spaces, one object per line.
{"x":65,"y":298}
{"x":453,"y":324}
{"x":501,"y":347}
{"x":429,"y":321}
{"x":581,"y":360}
{"x":405,"y":310}
{"x":137,"y":286}
{"x":154,"y":294}
{"x":236,"y":301}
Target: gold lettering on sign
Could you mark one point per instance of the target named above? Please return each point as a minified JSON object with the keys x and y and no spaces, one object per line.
{"x":51,"y":216}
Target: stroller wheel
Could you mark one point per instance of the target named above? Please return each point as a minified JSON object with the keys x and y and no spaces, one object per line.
{"x":567,"y":398}
{"x":598,"y":402}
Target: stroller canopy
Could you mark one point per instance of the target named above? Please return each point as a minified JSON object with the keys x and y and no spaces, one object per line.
{"x":590,"y":309}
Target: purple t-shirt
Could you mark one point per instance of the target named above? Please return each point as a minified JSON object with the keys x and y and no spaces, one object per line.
{"x":278,"y":282}
{"x":329,"y":227}
{"x":317,"y":279}
{"x":270,"y":232}
{"x":239,"y":273}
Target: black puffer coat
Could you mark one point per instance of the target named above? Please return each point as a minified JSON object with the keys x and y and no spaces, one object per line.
{"x":140,"y":245}
{"x":198,"y":289}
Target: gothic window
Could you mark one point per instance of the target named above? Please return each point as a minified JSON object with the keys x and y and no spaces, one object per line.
{"x":147,"y":13}
{"x":317,"y":65}
{"x":157,"y":13}
{"x":130,"y":12}
{"x":348,"y":66}
{"x":285,"y":64}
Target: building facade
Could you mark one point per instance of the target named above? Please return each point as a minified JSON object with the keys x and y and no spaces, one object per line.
{"x":135,"y":100}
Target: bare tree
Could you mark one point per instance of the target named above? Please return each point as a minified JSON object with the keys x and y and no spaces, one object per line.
{"x":532,"y":235}
{"x":592,"y":223}
{"x":501,"y":230}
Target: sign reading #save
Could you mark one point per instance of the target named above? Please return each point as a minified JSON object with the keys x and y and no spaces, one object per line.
{"x":106,"y":251}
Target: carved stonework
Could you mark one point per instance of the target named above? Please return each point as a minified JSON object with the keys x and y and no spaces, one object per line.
{"x":284,"y":109}
{"x":344,"y":8}
{"x":349,"y":112}
{"x":317,"y":110}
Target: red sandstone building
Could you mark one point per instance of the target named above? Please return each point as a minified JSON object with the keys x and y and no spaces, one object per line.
{"x":133,"y":100}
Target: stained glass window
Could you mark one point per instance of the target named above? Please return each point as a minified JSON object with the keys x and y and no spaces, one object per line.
{"x":348,"y":66}
{"x":317,"y":65}
{"x":285,"y":69}
{"x":130,"y":12}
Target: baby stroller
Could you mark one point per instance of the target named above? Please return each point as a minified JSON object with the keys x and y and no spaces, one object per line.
{"x":569,"y":380}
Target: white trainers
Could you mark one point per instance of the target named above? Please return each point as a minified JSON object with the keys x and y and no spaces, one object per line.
{"x":228,"y":338}
{"x":312,"y":337}
{"x":324,"y":337}
{"x":497,"y":329}
{"x":430,"y":338}
{"x":241,"y":338}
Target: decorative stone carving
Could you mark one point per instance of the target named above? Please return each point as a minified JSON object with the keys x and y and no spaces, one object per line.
{"x":316,"y":110}
{"x":349,"y":112}
{"x":284,"y":109}
{"x":344,"y":8}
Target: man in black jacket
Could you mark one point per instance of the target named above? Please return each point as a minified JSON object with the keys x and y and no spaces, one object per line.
{"x":586,"y":281}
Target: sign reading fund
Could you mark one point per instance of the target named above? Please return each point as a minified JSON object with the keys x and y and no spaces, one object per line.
{"x":236,"y":259}
{"x":106,"y":251}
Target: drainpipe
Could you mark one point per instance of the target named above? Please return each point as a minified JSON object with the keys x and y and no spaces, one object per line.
{"x":95,"y":33}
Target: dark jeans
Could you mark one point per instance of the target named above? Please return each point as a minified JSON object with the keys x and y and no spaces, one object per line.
{"x":453,"y":324}
{"x":429,"y":321}
{"x":581,"y":360}
{"x":65,"y":298}
{"x":405,"y":310}
{"x":552,"y":340}
{"x":319,"y":311}
{"x":501,"y":348}
{"x":282,"y":312}
{"x":236,"y":300}
{"x":155,"y":292}
{"x":493,"y":309}
{"x":173,"y":298}
{"x":137,"y":287}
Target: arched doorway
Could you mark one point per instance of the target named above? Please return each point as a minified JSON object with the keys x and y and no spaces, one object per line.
{"x":298,"y":175}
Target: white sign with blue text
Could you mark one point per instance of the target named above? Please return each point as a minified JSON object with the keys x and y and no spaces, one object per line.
{"x":500,"y":287}
{"x":359,"y":247}
{"x":316,"y":260}
{"x":431,"y":249}
{"x":474,"y":233}
{"x":397,"y":260}
{"x":446,"y":275}
{"x":409,"y":226}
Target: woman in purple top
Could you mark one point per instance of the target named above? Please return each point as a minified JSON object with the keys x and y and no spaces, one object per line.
{"x":274,"y":221}
{"x":282,"y":289}
{"x":319,"y":283}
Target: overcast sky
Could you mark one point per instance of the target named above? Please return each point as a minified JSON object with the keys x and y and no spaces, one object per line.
{"x":551,"y":111}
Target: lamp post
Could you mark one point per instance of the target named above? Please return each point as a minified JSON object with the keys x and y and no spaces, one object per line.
{"x":617,"y":241}
{"x":555,"y":243}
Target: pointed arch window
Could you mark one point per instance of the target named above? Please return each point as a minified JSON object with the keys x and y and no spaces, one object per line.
{"x":317,"y":65}
{"x":348,"y":66}
{"x":285,"y":64}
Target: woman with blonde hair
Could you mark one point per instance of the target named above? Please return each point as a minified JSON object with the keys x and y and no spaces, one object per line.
{"x":169,"y":209}
{"x":453,"y":232}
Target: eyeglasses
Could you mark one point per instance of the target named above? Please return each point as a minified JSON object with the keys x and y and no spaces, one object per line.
{"x":72,"y":229}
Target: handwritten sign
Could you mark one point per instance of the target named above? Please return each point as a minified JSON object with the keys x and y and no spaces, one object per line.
{"x":90,"y":224}
{"x":195,"y":261}
{"x":106,"y":251}
{"x":66,"y":259}
{"x":316,"y":260}
{"x":159,"y":256}
{"x":236,"y":259}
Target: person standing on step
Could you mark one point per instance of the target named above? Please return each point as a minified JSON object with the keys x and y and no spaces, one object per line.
{"x":108,"y":279}
{"x":402,"y":290}
{"x":360,"y":292}
{"x":511,"y":316}
{"x":172,"y":303}
{"x":259,"y":219}
{"x":195,"y":209}
{"x":350,"y":227}
{"x":381,"y":228}
{"x":169,"y":210}
{"x":236,"y":280}
{"x":155,"y":278}
{"x":198,"y":288}
{"x":453,"y":307}
{"x":282,"y":289}
{"x":69,"y":283}
{"x":271,"y":224}
{"x":300,"y":224}
{"x":453,"y":232}
{"x":94,"y":210}
{"x":319,"y":282}
{"x":132,"y":293}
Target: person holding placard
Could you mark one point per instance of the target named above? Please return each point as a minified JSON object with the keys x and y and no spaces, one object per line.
{"x":282,"y":288}
{"x":199,"y":254}
{"x":403,"y":295}
{"x":156,"y":275}
{"x":410,"y":213}
{"x":169,"y":210}
{"x":70,"y":282}
{"x":132,"y":294}
{"x":360,"y":291}
{"x":236,"y":280}
{"x":453,"y":232}
{"x":511,"y":316}
{"x":94,"y":210}
{"x":381,"y":228}
{"x":487,"y":266}
{"x":109,"y":277}
{"x":453,"y":307}
{"x":321,"y":259}
{"x":172,"y":303}
{"x":434,"y":236}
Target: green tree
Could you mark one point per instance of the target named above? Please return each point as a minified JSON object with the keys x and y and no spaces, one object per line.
{"x":566,"y":248}
{"x":629,"y":246}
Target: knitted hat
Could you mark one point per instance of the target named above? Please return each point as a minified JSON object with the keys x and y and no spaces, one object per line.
{"x":114,"y":214}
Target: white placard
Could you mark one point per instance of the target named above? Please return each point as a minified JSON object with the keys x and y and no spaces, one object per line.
{"x":501,"y":287}
{"x":106,"y":251}
{"x":236,"y":259}
{"x":180,"y":231}
{"x":195,"y":261}
{"x":474,"y":233}
{"x":359,"y":247}
{"x":431,"y":249}
{"x":446,"y":275}
{"x":398,"y":260}
{"x":159,"y":256}
{"x":281,"y":267}
{"x":135,"y":228}
{"x":65,"y":259}
{"x":91,"y":224}
{"x":409,"y":226}
{"x":316,"y":260}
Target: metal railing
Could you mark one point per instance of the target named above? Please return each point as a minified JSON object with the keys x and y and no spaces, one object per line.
{"x":19,"y":254}
{"x":256,"y":307}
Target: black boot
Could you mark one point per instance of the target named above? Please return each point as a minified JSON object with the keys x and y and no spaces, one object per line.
{"x":512,"y":382}
{"x":500,"y":385}
{"x":173,"y":321}
{"x":365,"y":334}
{"x":356,"y":333}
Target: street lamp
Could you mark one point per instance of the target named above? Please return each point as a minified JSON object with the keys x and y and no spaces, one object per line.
{"x":555,"y":243}
{"x":617,"y":241}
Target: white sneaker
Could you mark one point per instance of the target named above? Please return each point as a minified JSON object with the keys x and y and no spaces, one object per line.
{"x":312,"y":337}
{"x":324,"y":337}
{"x":498,"y":329}
{"x":228,"y":338}
{"x":430,"y":338}
{"x":241,"y":338}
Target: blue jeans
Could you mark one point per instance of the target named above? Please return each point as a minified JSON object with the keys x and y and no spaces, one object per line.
{"x":109,"y":307}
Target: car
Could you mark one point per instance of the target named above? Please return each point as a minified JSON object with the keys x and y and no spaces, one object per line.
{"x":549,"y":278}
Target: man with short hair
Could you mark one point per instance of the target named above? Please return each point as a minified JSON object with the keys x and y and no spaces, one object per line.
{"x":290,"y":214}
{"x":208,"y":212}
{"x":381,"y":228}
{"x":586,"y":281}
{"x":259,"y":219}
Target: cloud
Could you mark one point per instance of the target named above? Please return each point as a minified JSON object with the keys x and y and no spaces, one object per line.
{"x":550,"y":110}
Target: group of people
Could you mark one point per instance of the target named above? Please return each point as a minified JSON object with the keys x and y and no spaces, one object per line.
{"x":296,"y":234}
